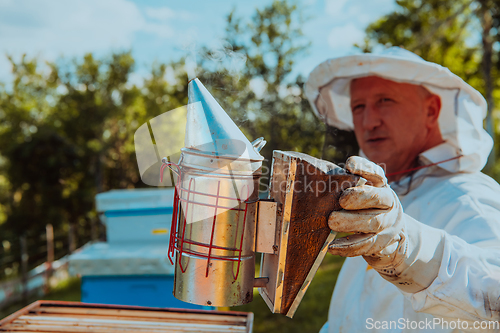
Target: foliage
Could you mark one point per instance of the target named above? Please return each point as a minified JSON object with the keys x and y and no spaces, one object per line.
{"x":263,"y":97}
{"x":68,"y":290}
{"x":66,"y":133}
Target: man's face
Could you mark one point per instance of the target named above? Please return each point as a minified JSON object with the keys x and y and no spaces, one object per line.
{"x":391,"y":121}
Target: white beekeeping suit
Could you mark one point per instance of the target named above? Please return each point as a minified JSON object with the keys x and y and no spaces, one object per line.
{"x":454,"y":197}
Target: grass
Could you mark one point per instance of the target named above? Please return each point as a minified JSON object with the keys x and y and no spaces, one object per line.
{"x":68,"y":290}
{"x":313,"y":310}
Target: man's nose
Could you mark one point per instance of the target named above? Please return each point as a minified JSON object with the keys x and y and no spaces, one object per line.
{"x":371,"y":118}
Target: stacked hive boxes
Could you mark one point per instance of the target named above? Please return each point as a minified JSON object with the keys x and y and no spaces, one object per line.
{"x":132,"y":267}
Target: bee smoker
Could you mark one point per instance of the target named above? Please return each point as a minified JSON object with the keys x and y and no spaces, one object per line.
{"x":219,"y":222}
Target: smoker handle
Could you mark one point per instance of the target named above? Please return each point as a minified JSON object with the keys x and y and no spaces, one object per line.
{"x":260,"y":282}
{"x":169,"y":165}
{"x":259,"y":143}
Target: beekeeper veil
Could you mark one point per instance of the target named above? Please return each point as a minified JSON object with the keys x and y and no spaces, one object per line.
{"x":462,"y":112}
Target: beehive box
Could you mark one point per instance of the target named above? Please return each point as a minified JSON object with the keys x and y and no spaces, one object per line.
{"x":57,"y":316}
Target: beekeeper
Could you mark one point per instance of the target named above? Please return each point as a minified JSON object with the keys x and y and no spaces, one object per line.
{"x":425,"y":255}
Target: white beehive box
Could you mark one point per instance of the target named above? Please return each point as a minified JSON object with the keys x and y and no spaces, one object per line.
{"x":137,"y":229}
{"x":136,"y":216}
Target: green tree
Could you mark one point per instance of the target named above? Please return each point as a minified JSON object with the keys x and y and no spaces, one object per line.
{"x":66,"y":134}
{"x":24,"y":107}
{"x":262,"y":96}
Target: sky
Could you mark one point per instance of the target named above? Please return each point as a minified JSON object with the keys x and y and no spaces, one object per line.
{"x":165,"y":30}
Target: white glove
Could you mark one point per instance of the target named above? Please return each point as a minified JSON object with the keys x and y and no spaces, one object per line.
{"x":403,"y":250}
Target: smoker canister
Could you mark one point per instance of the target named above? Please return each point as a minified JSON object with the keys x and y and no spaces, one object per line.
{"x":214,"y":235}
{"x":213,"y":227}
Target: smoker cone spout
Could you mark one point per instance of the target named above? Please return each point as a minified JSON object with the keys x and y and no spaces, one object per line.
{"x":210,"y":129}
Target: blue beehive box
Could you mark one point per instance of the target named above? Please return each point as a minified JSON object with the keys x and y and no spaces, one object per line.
{"x":132,"y":267}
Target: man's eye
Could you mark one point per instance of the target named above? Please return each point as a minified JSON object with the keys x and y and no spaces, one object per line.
{"x":358,"y":108}
{"x":386,"y":100}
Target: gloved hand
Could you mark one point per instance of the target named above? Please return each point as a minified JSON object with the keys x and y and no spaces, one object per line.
{"x":393,"y":243}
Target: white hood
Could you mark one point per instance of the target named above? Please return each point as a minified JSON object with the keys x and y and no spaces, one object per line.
{"x":463,"y":107}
